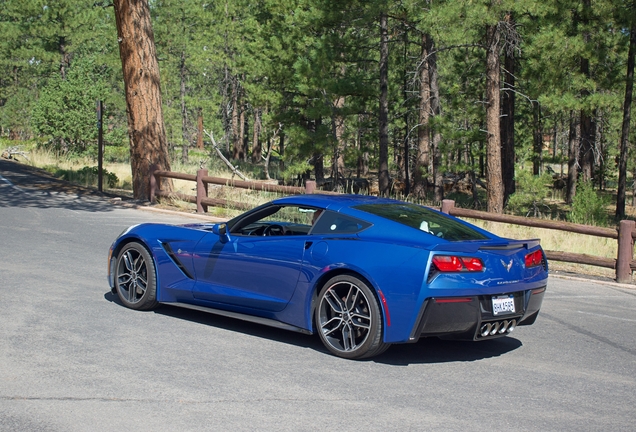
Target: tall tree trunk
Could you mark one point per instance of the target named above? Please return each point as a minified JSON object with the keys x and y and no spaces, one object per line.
{"x":588,"y":140}
{"x":422,"y":158}
{"x":627,"y":113}
{"x":495,"y":189}
{"x":236,"y":144}
{"x":184,"y":112}
{"x":243,"y":128}
{"x":200,"y":129}
{"x":383,"y":171}
{"x":537,"y":139}
{"x":257,"y":148}
{"x":148,"y":144}
{"x":508,"y":122}
{"x":588,"y":133}
{"x":317,"y":160}
{"x":65,"y":57}
{"x":436,"y":111}
{"x":362,"y":167}
{"x":227,"y":122}
{"x":281,"y":151}
{"x":573,"y":155}
{"x":406,"y":155}
{"x":267,"y":159}
{"x":338,"y":131}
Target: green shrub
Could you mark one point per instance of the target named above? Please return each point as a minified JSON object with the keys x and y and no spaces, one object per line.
{"x":531,"y":191}
{"x":588,"y":207}
{"x":88,"y":176}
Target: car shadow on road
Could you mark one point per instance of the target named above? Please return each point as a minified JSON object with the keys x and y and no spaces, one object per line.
{"x":426,"y":351}
{"x":434,"y":350}
{"x":233,"y":324}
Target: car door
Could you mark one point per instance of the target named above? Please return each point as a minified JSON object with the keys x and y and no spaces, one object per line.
{"x":259,"y":272}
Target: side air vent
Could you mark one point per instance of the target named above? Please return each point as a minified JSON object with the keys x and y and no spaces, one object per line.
{"x":174,"y":258}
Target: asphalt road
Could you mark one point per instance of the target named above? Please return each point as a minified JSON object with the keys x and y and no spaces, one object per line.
{"x":73,"y":359}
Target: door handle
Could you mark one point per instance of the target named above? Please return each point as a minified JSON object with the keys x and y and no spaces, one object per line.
{"x":308,"y":244}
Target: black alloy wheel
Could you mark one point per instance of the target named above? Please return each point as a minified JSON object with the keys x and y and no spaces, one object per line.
{"x":348,"y":318}
{"x":135,"y":277}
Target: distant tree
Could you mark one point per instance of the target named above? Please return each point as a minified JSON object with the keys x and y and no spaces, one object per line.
{"x":65,"y":111}
{"x":627,"y":111}
{"x":383,"y":162}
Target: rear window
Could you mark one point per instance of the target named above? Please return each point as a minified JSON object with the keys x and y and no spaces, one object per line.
{"x":336,"y":223}
{"x":425,"y":220}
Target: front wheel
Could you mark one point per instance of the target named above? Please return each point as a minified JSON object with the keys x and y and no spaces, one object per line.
{"x":348,"y":318}
{"x":135,"y":277}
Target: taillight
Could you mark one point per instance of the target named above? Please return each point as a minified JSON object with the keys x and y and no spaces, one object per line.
{"x":534,"y":259}
{"x":449,"y":263}
{"x":473,"y":264}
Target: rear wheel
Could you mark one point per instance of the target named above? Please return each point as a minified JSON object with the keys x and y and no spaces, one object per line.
{"x":348,"y":318}
{"x":135,"y":277}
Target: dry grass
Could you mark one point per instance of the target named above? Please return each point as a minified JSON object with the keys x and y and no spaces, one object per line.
{"x":555,"y":240}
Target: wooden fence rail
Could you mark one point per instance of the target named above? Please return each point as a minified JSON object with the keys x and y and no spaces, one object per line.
{"x":624,"y":263}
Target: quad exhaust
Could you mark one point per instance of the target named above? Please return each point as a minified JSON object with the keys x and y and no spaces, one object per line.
{"x":497,"y":327}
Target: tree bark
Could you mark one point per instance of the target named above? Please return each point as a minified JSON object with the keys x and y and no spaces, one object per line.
{"x":236,"y":141}
{"x":362,"y":167}
{"x":436,"y":111}
{"x":573,"y":155}
{"x":495,"y":190}
{"x":281,"y":151}
{"x":537,"y":139}
{"x":146,"y":130}
{"x":200,"y":129}
{"x":383,"y":171}
{"x":243,"y":134}
{"x":184,"y":112}
{"x":338,"y":131}
{"x":65,"y":57}
{"x":257,"y":148}
{"x":627,"y":112}
{"x":588,"y":139}
{"x":422,"y":158}
{"x":508,"y":125}
{"x":588,"y":132}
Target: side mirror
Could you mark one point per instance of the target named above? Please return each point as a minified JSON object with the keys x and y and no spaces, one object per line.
{"x":220,"y":230}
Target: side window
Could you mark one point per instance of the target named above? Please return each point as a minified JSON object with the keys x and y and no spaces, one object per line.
{"x":276,"y":221}
{"x":335,"y":223}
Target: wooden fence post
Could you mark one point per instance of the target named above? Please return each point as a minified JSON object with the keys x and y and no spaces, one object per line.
{"x":310,"y":186}
{"x":625,"y":251}
{"x":447,"y":205}
{"x":154,"y":184}
{"x":202,"y":191}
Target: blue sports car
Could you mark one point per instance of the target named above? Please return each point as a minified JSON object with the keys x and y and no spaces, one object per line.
{"x":362,"y":272}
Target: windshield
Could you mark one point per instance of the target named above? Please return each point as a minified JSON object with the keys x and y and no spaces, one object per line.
{"x":425,"y":220}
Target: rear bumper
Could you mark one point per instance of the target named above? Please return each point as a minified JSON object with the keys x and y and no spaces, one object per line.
{"x":472,"y":317}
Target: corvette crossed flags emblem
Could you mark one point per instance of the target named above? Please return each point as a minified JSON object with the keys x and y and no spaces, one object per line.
{"x":507,"y":266}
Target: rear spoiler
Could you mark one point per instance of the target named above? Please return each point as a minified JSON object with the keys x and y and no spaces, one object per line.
{"x":474,"y":246}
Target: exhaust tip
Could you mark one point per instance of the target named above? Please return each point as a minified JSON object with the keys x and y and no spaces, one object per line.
{"x":485,"y":330}
{"x":504,"y":326}
{"x":512,"y":325}
{"x":495,"y":328}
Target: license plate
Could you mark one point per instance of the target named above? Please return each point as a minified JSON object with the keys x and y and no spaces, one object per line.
{"x":503,"y":304}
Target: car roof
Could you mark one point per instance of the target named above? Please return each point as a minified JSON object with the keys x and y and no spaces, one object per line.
{"x":339,"y":201}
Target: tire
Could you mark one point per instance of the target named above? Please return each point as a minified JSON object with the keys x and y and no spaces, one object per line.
{"x":135,"y":277}
{"x":348,"y":318}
